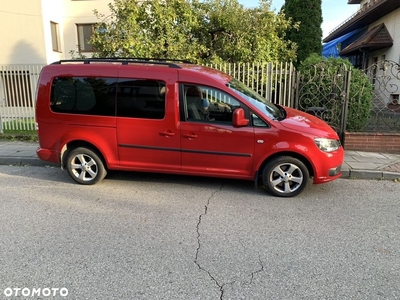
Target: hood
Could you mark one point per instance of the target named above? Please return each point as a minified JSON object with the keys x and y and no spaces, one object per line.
{"x":304,"y":122}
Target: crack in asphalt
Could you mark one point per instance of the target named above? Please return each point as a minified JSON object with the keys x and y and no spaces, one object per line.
{"x":261,"y":269}
{"x":220,"y":286}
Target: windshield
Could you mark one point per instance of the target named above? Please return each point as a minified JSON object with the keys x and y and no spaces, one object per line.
{"x":263,"y":104}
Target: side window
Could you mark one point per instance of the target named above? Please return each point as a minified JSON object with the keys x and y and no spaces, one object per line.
{"x":257,"y":122}
{"x":83,"y":95}
{"x":141,"y":98}
{"x":203,"y":103}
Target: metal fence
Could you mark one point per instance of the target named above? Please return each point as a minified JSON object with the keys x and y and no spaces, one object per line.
{"x":274,"y":81}
{"x":350,"y":99}
{"x":18,"y":88}
{"x":385,"y":104}
{"x":17,"y":96}
{"x":278,"y":82}
{"x":323,"y":90}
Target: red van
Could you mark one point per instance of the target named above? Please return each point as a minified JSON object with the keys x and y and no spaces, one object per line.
{"x":95,"y":115}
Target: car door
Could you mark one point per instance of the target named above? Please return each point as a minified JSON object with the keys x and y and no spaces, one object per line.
{"x":147,"y":124}
{"x":210,"y":144}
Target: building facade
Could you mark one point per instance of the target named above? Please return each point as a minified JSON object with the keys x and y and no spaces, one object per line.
{"x":372,"y":34}
{"x":44,"y":31}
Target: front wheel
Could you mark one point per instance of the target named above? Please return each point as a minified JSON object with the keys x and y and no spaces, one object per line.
{"x":85,"y":166}
{"x":285,"y":176}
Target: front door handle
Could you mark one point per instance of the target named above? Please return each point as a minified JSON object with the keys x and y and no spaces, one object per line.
{"x":190,"y":136}
{"x":167,"y":133}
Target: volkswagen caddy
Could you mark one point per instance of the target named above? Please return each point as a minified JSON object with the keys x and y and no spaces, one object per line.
{"x":174,"y":117}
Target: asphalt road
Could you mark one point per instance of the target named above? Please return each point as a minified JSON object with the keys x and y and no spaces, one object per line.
{"x":148,"y":236}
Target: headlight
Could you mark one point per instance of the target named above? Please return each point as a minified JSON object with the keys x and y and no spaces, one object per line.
{"x":327,"y":145}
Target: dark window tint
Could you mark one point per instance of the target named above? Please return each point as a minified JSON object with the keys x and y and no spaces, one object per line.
{"x":84,"y":95}
{"x":141,"y":98}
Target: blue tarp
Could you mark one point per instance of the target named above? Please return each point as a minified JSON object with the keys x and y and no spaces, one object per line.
{"x":330,"y":49}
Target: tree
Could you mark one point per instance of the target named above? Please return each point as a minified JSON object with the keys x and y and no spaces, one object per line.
{"x":237,"y":34}
{"x":156,"y":28}
{"x":200,"y":31}
{"x":308,"y":36}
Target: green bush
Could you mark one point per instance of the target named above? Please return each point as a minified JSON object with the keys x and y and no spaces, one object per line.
{"x":323,"y":85}
{"x":30,"y":137}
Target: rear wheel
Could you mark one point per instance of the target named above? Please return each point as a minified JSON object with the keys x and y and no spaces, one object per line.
{"x":285,"y":176}
{"x":85,"y":166}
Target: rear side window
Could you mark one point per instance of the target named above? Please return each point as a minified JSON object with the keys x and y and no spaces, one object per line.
{"x":84,"y":95}
{"x":141,"y":98}
{"x":132,"y":98}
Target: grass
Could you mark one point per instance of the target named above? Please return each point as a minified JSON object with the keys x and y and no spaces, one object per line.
{"x":19,"y":134}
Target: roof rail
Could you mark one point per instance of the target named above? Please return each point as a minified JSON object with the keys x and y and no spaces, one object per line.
{"x":172,"y":63}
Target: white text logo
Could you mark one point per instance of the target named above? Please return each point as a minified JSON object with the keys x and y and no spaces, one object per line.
{"x":27,"y":292}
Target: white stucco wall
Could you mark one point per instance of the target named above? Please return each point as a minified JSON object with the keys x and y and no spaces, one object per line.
{"x":392,"y":23}
{"x":79,"y":12}
{"x":26,"y":32}
{"x":21,"y":32}
{"x":53,"y":11}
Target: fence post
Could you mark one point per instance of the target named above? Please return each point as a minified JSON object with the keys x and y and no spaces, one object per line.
{"x":297,"y":90}
{"x":345,"y":106}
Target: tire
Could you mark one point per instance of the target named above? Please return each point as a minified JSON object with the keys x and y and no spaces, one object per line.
{"x":285,"y":176}
{"x":85,"y":166}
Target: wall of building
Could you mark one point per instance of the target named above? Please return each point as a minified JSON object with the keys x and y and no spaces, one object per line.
{"x":80,"y":12}
{"x":53,"y":11}
{"x":392,"y":23}
{"x":22,"y":32}
{"x":25,"y":26}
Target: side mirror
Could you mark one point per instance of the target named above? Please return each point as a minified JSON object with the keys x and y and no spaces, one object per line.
{"x":238,"y":118}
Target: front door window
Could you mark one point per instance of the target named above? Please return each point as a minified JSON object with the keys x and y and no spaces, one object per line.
{"x":210,"y":144}
{"x":208,"y":104}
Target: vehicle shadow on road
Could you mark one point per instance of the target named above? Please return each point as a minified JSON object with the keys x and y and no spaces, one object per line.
{"x":189,"y":181}
{"x":247,"y":188}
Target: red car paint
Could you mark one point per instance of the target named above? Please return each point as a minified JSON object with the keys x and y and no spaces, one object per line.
{"x":169,"y":142}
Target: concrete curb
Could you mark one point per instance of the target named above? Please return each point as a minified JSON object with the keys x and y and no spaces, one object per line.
{"x":370,"y":174}
{"x":24,"y":161}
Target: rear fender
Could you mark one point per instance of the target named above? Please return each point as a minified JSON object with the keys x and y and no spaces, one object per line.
{"x":105,"y":144}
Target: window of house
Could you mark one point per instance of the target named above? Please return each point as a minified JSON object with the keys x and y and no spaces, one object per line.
{"x":55,"y":36}
{"x":85,"y":32}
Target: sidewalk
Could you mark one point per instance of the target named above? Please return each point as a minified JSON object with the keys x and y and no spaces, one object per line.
{"x":357,"y":164}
